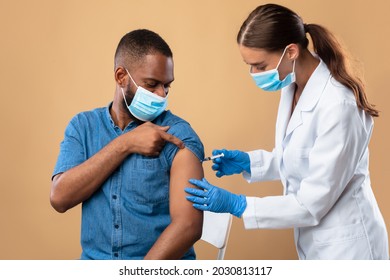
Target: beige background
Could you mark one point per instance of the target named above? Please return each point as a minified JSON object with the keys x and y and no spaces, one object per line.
{"x":56,"y":60}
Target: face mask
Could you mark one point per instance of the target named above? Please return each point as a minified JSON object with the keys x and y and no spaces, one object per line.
{"x":269,"y":80}
{"x":145,"y":106}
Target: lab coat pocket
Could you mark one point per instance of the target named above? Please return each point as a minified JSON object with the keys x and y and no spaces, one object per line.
{"x":342,"y":243}
{"x":301,"y":161}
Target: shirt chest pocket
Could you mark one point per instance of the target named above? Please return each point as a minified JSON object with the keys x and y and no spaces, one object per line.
{"x":149,"y":180}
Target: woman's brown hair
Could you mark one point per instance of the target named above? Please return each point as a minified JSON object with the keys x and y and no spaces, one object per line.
{"x":272,"y":27}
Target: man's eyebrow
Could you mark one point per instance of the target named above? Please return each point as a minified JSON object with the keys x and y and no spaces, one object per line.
{"x":158,"y":81}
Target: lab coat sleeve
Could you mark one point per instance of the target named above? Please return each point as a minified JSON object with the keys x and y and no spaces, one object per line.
{"x":332,"y":163}
{"x":275,"y":212}
{"x":264,"y":166}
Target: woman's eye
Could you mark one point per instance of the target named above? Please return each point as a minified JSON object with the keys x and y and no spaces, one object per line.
{"x":260,"y":68}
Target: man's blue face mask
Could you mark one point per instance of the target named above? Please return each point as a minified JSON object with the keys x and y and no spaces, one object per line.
{"x":145,"y":106}
{"x":269,"y":80}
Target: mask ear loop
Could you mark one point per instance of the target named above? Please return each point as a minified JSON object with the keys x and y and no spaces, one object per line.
{"x":123,"y":93}
{"x":294,"y":66}
{"x":280,"y":60}
{"x":131,"y":78}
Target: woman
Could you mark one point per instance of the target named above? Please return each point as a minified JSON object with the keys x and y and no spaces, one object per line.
{"x":321,"y":153}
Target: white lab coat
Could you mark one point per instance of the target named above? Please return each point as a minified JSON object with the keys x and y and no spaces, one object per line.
{"x":321,"y":157}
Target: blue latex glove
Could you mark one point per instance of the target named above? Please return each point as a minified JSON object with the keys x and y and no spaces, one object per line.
{"x":233,"y":162}
{"x":214,"y":199}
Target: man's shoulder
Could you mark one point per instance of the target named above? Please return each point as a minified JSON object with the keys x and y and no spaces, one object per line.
{"x":170,"y":119}
{"x":89,"y":115}
{"x":93,"y":112}
{"x":182,"y":130}
{"x":177,"y":125}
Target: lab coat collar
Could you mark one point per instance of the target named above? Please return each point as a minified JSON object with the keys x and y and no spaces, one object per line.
{"x":314,"y":87}
{"x":309,"y":98}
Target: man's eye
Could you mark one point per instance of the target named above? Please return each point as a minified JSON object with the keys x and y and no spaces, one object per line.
{"x":151,"y":85}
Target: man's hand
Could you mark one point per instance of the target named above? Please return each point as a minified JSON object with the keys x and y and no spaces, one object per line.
{"x":149,"y":139}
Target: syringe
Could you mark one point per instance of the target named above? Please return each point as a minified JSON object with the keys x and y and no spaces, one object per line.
{"x":213,"y":157}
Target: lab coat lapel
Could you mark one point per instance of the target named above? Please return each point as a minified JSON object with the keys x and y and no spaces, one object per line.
{"x":295,"y":120}
{"x":284,"y":113}
{"x":310,"y":96}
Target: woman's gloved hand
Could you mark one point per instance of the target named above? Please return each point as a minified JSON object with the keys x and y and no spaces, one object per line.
{"x":214,"y":199}
{"x":233,"y":162}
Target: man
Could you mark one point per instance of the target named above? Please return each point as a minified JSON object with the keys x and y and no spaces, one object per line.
{"x":128,"y":163}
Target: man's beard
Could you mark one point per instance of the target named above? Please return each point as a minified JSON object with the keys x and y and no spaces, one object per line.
{"x":127,"y":93}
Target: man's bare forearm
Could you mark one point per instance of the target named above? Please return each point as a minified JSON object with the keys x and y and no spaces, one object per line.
{"x":79,"y":183}
{"x":176,"y":240}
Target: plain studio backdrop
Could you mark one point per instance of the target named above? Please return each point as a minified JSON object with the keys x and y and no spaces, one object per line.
{"x":56,"y":60}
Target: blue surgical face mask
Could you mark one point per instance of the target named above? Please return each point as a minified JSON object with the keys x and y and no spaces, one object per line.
{"x":269,"y":80}
{"x":145,"y":106}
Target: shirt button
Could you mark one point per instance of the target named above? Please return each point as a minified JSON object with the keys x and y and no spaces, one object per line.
{"x":116,"y":226}
{"x":114,"y":197}
{"x":116,"y":255}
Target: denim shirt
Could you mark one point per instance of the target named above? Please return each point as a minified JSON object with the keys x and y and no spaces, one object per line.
{"x":124,"y":218}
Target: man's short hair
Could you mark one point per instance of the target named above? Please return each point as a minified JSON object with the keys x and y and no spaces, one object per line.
{"x":135,"y":45}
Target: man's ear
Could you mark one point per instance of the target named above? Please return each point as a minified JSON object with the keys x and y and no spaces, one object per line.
{"x":293,"y":51}
{"x":120,"y":76}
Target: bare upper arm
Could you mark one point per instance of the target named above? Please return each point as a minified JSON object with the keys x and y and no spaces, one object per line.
{"x":184,"y":167}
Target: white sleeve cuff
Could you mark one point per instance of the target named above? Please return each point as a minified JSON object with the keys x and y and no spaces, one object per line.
{"x":249,"y":215}
{"x":256,"y":166}
{"x":264,"y":166}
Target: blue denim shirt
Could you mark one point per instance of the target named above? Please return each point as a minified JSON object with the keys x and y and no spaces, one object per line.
{"x":124,"y":218}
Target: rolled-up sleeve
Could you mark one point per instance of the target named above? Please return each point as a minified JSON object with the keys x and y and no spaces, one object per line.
{"x":71,"y":149}
{"x":184,"y":132}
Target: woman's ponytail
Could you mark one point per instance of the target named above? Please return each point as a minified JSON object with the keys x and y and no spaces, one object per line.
{"x":332,"y":53}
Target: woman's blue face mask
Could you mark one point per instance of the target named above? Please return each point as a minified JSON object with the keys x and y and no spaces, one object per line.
{"x":269,"y":80}
{"x":145,"y":106}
